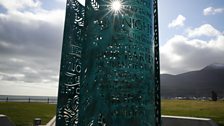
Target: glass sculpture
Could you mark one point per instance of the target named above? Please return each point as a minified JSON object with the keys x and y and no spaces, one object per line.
{"x":110,"y":64}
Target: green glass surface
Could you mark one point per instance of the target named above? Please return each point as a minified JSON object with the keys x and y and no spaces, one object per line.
{"x":110,"y":65}
{"x":69,"y":81}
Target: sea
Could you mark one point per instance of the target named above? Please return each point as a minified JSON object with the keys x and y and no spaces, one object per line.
{"x":19,"y":98}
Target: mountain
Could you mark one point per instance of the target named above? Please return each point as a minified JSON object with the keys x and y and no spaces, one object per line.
{"x":195,"y":83}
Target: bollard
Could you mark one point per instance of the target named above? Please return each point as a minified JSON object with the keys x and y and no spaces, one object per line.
{"x":37,"y":122}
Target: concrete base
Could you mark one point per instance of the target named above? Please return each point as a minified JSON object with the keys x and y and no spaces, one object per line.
{"x":4,"y":121}
{"x":186,"y":121}
{"x":172,"y":121}
{"x":51,"y":122}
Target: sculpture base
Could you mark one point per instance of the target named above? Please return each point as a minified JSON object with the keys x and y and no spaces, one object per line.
{"x":186,"y":121}
{"x":174,"y":121}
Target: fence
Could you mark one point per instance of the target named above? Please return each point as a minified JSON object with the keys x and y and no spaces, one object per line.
{"x":48,"y":100}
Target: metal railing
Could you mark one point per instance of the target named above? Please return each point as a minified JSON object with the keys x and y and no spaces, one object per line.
{"x":30,"y":100}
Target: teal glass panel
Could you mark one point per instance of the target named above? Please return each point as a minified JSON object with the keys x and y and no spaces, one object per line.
{"x":118,"y":78}
{"x":69,"y":81}
{"x":110,"y":64}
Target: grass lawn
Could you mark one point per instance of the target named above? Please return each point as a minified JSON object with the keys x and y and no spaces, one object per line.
{"x":23,"y":114}
{"x":195,"y":108}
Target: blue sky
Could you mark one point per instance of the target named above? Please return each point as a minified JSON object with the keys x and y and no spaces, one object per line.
{"x":192,"y":10}
{"x":191,"y":34}
{"x":191,"y":37}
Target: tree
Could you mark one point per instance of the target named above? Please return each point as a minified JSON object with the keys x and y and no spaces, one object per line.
{"x":214,"y":96}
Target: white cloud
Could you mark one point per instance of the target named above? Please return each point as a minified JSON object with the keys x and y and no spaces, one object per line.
{"x":35,"y":18}
{"x":181,"y":53}
{"x":203,"y":30}
{"x":19,"y":4}
{"x":24,"y":89}
{"x":12,"y":77}
{"x":81,"y":1}
{"x":212,"y":11}
{"x":30,"y":70}
{"x":178,"y":22}
{"x":16,"y":60}
{"x":30,"y":45}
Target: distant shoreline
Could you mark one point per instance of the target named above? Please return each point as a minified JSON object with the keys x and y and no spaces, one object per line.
{"x":27,"y":95}
{"x":20,"y":98}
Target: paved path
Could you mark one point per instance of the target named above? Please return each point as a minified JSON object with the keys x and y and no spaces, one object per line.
{"x":51,"y":122}
{"x":172,"y":121}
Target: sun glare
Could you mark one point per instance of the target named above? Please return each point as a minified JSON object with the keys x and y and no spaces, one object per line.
{"x":116,"y":6}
